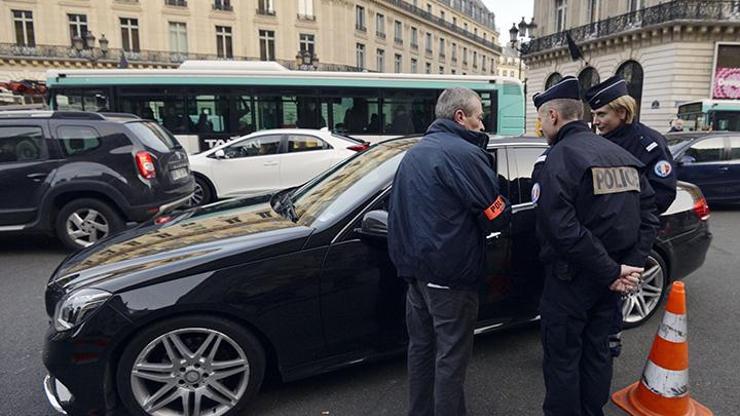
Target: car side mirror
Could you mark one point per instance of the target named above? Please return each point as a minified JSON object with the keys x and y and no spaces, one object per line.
{"x":374,"y":224}
{"x":219,"y":154}
{"x":686,"y":160}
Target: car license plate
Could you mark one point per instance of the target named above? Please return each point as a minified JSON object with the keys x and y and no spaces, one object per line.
{"x":177,"y":174}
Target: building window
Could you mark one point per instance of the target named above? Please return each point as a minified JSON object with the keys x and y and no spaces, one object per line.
{"x":428,"y":69}
{"x":428,"y":43}
{"x":429,"y":8}
{"x":441,"y":48}
{"x":307,"y":42}
{"x":178,"y":38}
{"x":635,"y":5}
{"x":441,"y":69}
{"x":414,"y":38}
{"x":398,"y":32}
{"x":465,"y":55}
{"x":482,"y":63}
{"x":454,"y":21}
{"x":380,"y":25}
{"x":588,"y":77}
{"x":360,"y":18}
{"x":23,"y":22}
{"x":360,"y":55}
{"x":130,"y":35}
{"x":593,"y":11}
{"x":77,"y":27}
{"x":493,"y":65}
{"x":224,"y":42}
{"x":414,"y":65}
{"x":397,"y":63}
{"x":442,"y":15}
{"x":553,"y":79}
{"x":475,"y":59}
{"x":632,"y":73}
{"x":267,"y":45}
{"x":178,"y":3}
{"x":222,"y":5}
{"x":465,"y":26}
{"x":380,"y":60}
{"x":454,"y":52}
{"x":266,"y":7}
{"x":561,"y":10}
{"x":305,"y":9}
{"x":475,"y":31}
{"x":453,"y":72}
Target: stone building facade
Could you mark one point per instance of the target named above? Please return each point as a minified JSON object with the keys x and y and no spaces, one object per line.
{"x":434,"y":36}
{"x":666,"y":50}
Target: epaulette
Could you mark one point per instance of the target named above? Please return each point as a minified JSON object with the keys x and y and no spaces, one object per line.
{"x":543,"y":156}
{"x":648,"y":143}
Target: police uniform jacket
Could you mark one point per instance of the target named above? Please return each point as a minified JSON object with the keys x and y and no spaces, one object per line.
{"x":444,"y":201}
{"x":651,"y":149}
{"x":595,"y":207}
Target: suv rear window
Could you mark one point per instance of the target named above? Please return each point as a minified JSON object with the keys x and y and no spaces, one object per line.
{"x":154,"y":136}
{"x":21,"y":144}
{"x":77,"y":140}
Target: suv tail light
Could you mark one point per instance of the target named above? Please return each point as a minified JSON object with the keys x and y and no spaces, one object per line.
{"x":145,"y":164}
{"x":360,"y":147}
{"x":701,"y":209}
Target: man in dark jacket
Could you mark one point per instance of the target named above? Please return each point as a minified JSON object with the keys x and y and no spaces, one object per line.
{"x":614,"y":112}
{"x":595,"y":216}
{"x":445,"y":201}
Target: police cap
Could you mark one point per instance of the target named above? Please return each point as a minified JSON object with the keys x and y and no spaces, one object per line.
{"x":602,"y":94}
{"x":568,"y":87}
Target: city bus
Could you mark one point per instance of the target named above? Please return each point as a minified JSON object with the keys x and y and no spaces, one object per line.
{"x":205,"y":103}
{"x":710,"y":115}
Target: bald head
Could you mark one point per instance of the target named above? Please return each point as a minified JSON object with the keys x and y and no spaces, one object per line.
{"x":554,"y":114}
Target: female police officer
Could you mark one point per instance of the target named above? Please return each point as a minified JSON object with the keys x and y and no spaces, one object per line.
{"x":614,"y":114}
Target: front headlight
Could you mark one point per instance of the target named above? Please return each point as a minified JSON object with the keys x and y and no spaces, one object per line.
{"x":74,"y":307}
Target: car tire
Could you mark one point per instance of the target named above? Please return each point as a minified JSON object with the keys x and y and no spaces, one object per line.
{"x":82,"y":222}
{"x":641,"y":306}
{"x":202,"y":193}
{"x":190,"y":356}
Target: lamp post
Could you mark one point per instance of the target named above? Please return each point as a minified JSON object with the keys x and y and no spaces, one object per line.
{"x":518,"y":34}
{"x":85,"y":46}
{"x":307,"y":61}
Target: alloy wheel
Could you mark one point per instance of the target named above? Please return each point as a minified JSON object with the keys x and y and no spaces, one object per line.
{"x":86,"y":226}
{"x":640,"y":305}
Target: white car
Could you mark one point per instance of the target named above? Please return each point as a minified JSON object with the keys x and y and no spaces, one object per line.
{"x":267,"y":160}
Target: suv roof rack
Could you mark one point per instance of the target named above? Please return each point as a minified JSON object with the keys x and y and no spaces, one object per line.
{"x":77,"y":115}
{"x":120,"y":115}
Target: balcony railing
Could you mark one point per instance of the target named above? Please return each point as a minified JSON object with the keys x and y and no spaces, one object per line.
{"x":361,"y":28}
{"x":309,"y":17}
{"x":176,"y":3}
{"x":398,"y":41}
{"x":223,"y":7}
{"x":674,"y":11}
{"x":381,"y":35}
{"x":266,"y":12}
{"x":404,"y":5}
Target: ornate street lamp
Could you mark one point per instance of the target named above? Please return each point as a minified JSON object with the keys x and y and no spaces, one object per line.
{"x":306,"y":61}
{"x":89,"y":40}
{"x":78,"y":43}
{"x":103,"y":45}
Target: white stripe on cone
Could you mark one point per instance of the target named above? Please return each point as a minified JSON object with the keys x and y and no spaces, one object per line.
{"x":666,"y":383}
{"x":673,"y":328}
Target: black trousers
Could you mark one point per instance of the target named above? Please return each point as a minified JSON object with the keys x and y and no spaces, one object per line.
{"x":577,"y":362}
{"x":440,"y":325}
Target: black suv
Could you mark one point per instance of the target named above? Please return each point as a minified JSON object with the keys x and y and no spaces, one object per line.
{"x":85,"y":175}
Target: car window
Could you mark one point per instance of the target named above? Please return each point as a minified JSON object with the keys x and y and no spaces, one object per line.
{"x":303,"y":143}
{"x":348,"y":184}
{"x":734,"y":148}
{"x":524,"y":158}
{"x":21,"y":144}
{"x":256,"y":146}
{"x":77,"y":140}
{"x":709,"y":150}
{"x":153,"y":136}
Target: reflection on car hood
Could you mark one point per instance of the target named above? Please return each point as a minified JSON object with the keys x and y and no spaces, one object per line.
{"x":217,"y":236}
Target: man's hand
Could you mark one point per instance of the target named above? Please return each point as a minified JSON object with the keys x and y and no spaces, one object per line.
{"x":629,"y":278}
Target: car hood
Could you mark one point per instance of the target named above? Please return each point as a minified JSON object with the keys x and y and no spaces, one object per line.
{"x":194,"y":241}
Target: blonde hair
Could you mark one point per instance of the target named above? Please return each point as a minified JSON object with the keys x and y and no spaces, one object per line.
{"x":626,"y":103}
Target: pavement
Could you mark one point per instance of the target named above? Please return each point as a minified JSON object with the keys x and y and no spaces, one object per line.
{"x":504,"y":378}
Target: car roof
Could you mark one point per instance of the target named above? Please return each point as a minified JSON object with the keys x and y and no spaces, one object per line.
{"x":68,"y":115}
{"x":495,"y":141}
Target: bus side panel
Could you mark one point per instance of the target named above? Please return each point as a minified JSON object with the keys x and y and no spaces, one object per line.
{"x":510,"y":109}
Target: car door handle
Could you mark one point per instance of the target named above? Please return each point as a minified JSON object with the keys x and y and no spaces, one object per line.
{"x":37,"y":177}
{"x":494,"y":235}
{"x":270,"y":163}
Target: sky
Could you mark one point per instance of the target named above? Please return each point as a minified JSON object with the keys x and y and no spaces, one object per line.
{"x":508,"y":12}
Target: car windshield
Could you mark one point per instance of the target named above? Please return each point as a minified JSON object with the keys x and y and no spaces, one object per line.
{"x":344,"y":187}
{"x":679,"y":141}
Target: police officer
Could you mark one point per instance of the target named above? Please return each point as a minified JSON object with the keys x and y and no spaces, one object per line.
{"x":595,"y":215}
{"x":444,"y":202}
{"x":614,"y":113}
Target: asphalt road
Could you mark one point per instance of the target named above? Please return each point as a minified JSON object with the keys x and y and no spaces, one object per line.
{"x":504,"y":378}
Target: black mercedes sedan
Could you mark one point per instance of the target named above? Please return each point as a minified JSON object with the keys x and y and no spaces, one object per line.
{"x":185,"y":315}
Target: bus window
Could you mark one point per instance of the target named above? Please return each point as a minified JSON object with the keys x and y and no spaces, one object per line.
{"x":245,"y":117}
{"x":67,"y":100}
{"x":208,"y":114}
{"x":78,"y":100}
{"x":725,"y":120}
{"x":408,"y":114}
{"x":352,"y":111}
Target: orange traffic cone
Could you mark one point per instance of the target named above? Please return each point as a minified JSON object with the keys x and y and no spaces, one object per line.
{"x":664,"y":387}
